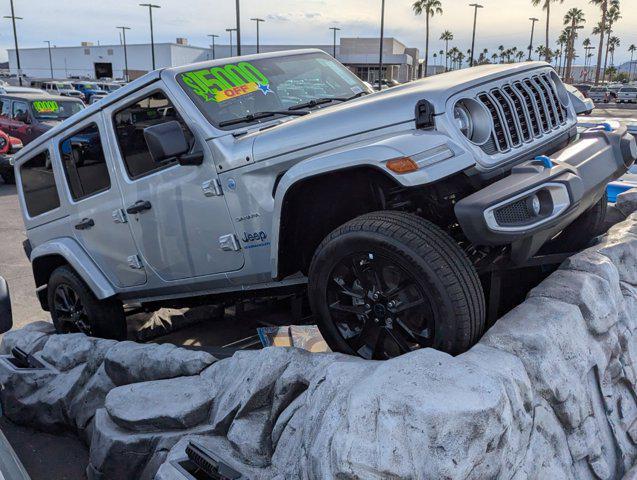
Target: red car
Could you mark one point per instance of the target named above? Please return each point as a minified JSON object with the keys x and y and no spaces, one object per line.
{"x":8,"y":146}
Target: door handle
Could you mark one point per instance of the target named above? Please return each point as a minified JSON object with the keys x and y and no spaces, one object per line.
{"x":85,"y":224}
{"x":139,"y":207}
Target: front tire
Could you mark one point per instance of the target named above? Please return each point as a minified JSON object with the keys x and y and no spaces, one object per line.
{"x":387,"y":283}
{"x":74,"y":308}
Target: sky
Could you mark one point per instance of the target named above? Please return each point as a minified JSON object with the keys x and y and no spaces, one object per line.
{"x":500,"y":22}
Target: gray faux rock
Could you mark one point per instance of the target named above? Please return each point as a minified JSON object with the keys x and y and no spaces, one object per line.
{"x":550,"y":391}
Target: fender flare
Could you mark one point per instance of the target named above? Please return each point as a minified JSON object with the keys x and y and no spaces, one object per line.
{"x":78,"y":259}
{"x":370,"y":156}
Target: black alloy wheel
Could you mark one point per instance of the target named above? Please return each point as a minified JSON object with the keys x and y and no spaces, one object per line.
{"x":378,"y":307}
{"x":69,"y":310}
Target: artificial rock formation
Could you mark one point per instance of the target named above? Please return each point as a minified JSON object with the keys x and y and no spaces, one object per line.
{"x":550,"y":391}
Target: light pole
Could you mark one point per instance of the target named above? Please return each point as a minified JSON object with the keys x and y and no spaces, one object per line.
{"x":334,"y":29}
{"x":230,"y":30}
{"x":152,"y":38}
{"x":473,"y":37}
{"x":213,"y":36}
{"x":123,"y":29}
{"x":50,"y":58}
{"x":533,"y":20}
{"x":238,"y":29}
{"x":382,"y":32}
{"x":258,"y":20}
{"x":15,"y":39}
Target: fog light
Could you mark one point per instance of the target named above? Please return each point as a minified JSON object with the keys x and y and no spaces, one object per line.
{"x":535,"y":204}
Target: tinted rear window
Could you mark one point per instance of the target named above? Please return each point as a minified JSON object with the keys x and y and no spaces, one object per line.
{"x":38,"y":185}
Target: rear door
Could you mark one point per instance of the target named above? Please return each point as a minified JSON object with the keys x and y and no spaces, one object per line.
{"x":96,"y":203}
{"x":180,"y":219}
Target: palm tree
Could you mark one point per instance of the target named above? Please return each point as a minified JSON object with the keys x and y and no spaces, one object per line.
{"x":446,"y":36}
{"x":631,"y":49}
{"x":501,"y":49}
{"x":494,"y":58}
{"x":612,"y":17}
{"x":601,"y":30}
{"x":546,"y":5}
{"x":520,"y":55}
{"x":562,"y":40}
{"x":613,"y":43}
{"x":429,"y":8}
{"x":573,"y":19}
{"x":586,"y":43}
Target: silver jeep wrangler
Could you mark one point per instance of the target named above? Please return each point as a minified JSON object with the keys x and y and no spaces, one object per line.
{"x":283,"y":171}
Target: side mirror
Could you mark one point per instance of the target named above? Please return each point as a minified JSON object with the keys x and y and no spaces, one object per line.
{"x":6,"y":318}
{"x":166,"y":141}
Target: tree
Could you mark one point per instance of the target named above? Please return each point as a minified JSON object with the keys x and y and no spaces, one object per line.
{"x":586,"y":44}
{"x":494,"y":58}
{"x":601,"y":30}
{"x":501,"y":49}
{"x":562,"y":40}
{"x":546,"y":5}
{"x":429,"y":8}
{"x":573,"y":19}
{"x":613,"y":43}
{"x":446,"y":36}
{"x":520,"y":55}
{"x":612,"y":17}
{"x":632,"y":50}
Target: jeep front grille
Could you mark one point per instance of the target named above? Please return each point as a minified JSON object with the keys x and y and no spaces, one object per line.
{"x":522,"y":111}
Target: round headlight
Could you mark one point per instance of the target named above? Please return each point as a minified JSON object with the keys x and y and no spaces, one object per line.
{"x":463,"y":120}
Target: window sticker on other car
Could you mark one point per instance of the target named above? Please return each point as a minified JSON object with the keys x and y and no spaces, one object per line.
{"x":218,"y":84}
{"x":46,"y":106}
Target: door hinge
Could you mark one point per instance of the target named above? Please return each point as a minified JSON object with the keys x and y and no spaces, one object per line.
{"x":119,"y":216}
{"x":229,"y":243}
{"x":135,"y":262}
{"x":212,"y":188}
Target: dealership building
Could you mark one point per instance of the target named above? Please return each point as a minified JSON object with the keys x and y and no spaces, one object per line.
{"x":361,"y":55}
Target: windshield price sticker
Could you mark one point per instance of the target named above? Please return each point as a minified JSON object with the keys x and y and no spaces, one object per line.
{"x":46,"y":106}
{"x":218,"y":84}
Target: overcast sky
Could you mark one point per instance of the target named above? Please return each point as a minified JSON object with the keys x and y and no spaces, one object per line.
{"x":68,"y":22}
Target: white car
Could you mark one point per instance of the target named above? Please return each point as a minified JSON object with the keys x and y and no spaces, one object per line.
{"x":627,"y":95}
{"x":599,"y":94}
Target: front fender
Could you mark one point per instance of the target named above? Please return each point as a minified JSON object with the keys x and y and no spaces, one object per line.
{"x":78,"y":259}
{"x":436,"y":154}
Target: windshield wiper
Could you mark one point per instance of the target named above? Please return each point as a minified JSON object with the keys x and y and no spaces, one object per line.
{"x":321,"y":101}
{"x":251,"y":117}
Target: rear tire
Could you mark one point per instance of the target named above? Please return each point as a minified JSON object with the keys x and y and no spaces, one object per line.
{"x":74,"y":308}
{"x":388,"y":282}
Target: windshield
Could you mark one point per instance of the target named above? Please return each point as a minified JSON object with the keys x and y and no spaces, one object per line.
{"x":55,"y":109}
{"x":628,"y":90}
{"x":64,"y":86}
{"x":598,"y":89}
{"x":240,"y":89}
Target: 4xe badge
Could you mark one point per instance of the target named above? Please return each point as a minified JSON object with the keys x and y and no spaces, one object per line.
{"x":255,"y":239}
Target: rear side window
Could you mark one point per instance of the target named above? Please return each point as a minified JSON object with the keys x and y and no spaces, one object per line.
{"x":5,"y":107}
{"x":129,"y":128}
{"x":84,"y":163}
{"x":38,"y":185}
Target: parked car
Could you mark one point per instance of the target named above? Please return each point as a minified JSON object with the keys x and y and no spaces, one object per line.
{"x":109,"y":87}
{"x":88,"y":89}
{"x":64,"y":89}
{"x":581,"y":104}
{"x":8,"y":147}
{"x":599,"y":94}
{"x":627,"y":95}
{"x":584,"y":88}
{"x":96,"y":97}
{"x":201,"y":183}
{"x":11,"y":89}
{"x":27,"y":116}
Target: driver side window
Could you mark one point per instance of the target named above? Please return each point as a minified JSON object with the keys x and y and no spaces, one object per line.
{"x":129,"y":128}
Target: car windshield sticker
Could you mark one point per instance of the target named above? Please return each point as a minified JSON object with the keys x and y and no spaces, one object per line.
{"x":218,"y":84}
{"x":48,"y":106}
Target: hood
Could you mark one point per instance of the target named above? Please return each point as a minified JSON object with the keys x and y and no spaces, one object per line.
{"x":49,"y":124}
{"x":375,"y":111}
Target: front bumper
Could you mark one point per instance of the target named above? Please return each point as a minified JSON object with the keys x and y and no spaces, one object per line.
{"x":543,"y":196}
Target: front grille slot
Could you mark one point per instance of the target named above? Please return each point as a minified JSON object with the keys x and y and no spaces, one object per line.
{"x":522,"y":111}
{"x":498,"y":123}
